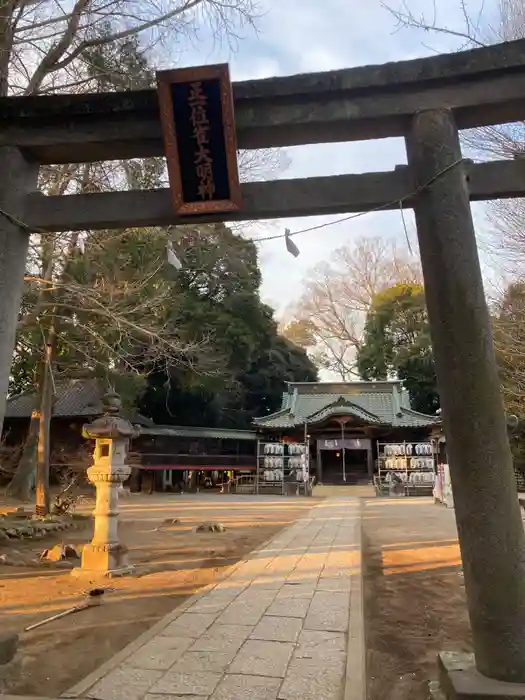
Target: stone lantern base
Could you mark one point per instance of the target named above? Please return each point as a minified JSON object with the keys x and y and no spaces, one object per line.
{"x":103,"y":561}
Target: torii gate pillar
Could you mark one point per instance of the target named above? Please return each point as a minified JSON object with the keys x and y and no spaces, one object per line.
{"x":487,"y":511}
{"x":18,"y":178}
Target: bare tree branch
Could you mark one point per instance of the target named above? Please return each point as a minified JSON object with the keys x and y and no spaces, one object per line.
{"x":330,"y":315}
{"x":51,"y":59}
{"x":124,"y":34}
{"x":406,"y":19}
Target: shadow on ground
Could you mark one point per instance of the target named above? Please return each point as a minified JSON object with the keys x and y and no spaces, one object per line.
{"x":414,"y":596}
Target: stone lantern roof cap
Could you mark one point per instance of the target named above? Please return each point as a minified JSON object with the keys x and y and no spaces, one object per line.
{"x":111,"y":425}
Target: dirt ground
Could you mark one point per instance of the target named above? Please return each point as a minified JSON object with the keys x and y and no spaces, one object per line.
{"x":414,"y":595}
{"x":172,"y":563}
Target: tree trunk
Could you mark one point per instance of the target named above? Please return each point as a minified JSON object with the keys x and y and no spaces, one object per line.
{"x":21,"y":485}
{"x":7,"y":8}
{"x":43,"y":504}
{"x":23,"y":481}
{"x":38,"y":439}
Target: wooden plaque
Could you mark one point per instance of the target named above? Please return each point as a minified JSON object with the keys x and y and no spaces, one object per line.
{"x":196,"y":111}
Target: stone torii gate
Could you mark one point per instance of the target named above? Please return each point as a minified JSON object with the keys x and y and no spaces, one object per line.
{"x":426,"y":101}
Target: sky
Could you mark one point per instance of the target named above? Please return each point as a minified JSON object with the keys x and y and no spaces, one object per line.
{"x":299,"y":36}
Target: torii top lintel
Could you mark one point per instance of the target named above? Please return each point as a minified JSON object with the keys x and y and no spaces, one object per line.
{"x":482,"y":86}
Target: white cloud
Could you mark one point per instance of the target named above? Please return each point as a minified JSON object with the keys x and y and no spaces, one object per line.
{"x":260,"y":68}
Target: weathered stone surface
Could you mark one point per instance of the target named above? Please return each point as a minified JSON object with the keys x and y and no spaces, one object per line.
{"x":253,"y":595}
{"x":242,"y":614}
{"x":124,"y":683}
{"x":196,"y":683}
{"x":263,"y":659}
{"x":328,"y":612}
{"x":265,"y":200}
{"x":313,"y":644}
{"x":277,"y":629}
{"x":189,"y":625}
{"x":341,"y":584}
{"x":241,"y":651}
{"x":230,"y":585}
{"x":300,"y":590}
{"x":214,"y":602}
{"x":8,"y":647}
{"x":340,"y":564}
{"x":269,"y":582}
{"x":215,"y":660}
{"x":460,"y":680}
{"x":160,"y":653}
{"x":289,"y":607}
{"x":500,"y":57}
{"x":248,"y":571}
{"x":307,"y":680}
{"x":222,"y":638}
{"x":469,"y":385}
{"x":304,"y":575}
{"x":105,"y":555}
{"x":242,"y":687}
{"x":247,"y":608}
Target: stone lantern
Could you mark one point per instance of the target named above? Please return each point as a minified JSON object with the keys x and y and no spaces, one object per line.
{"x":105,"y":555}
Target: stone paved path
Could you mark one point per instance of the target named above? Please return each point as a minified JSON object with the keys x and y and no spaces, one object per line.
{"x":277,"y":628}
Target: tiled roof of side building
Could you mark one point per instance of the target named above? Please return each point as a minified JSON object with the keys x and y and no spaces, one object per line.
{"x":199,"y":432}
{"x":75,"y":398}
{"x":83,"y":399}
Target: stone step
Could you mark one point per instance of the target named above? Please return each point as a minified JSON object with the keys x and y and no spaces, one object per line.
{"x":328,"y":491}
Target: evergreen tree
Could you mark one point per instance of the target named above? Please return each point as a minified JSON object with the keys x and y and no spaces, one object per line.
{"x":397,"y":344}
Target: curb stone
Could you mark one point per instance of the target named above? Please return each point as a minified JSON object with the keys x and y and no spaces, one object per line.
{"x":355,"y":680}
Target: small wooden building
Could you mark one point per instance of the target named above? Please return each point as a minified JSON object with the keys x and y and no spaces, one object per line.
{"x":77,"y":401}
{"x":183,"y":457}
{"x":163,"y":457}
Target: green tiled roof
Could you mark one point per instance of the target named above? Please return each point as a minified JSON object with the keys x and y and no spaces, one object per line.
{"x":343,"y":408}
{"x":414,"y":419}
{"x":379,"y":403}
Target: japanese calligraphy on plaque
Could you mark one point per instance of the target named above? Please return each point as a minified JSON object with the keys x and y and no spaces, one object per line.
{"x":196,"y":109}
